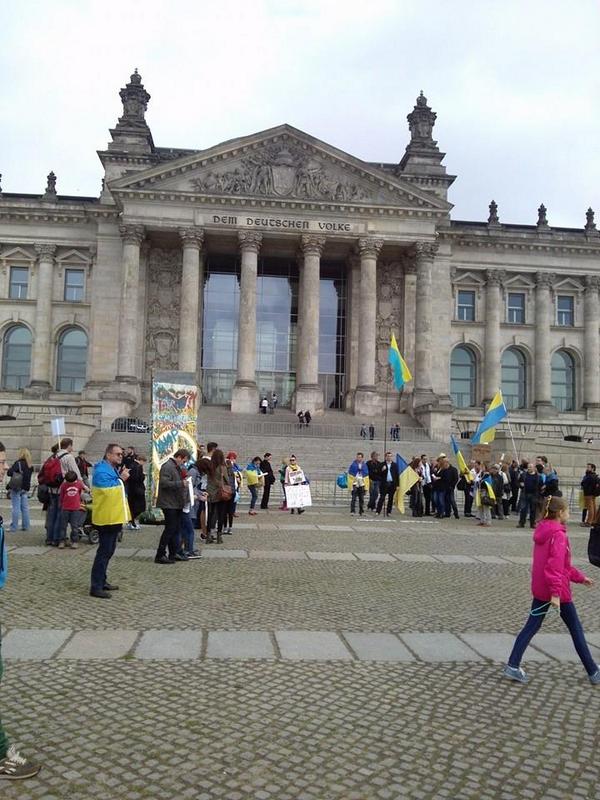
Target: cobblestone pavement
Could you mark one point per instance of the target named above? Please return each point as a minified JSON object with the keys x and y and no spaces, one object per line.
{"x":278,"y":725}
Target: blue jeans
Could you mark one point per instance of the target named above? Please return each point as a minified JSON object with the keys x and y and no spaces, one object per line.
{"x":528,"y":506}
{"x":373,"y":494}
{"x":187,"y":532}
{"x":20,"y":505}
{"x":439,"y":500}
{"x":253,"y":496}
{"x":107,"y":544}
{"x":568,"y":614}
{"x":53,"y":520}
{"x":73,"y":518}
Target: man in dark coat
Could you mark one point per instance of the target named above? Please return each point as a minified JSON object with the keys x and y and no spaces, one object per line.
{"x":388,"y":483}
{"x":267,"y":470}
{"x":171,"y":499}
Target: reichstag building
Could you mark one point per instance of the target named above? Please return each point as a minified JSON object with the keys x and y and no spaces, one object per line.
{"x":276,"y":262}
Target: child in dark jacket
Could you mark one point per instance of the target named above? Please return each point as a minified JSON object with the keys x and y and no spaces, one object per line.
{"x":551,"y":577}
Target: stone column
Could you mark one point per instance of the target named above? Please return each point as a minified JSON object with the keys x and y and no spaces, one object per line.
{"x":424,"y":257}
{"x":309,"y":395}
{"x":493,"y":311}
{"x":409,"y":304}
{"x":366,"y":398}
{"x":244,"y":396}
{"x":352,"y":321}
{"x":543,"y":320}
{"x":591,"y":347}
{"x":42,"y":356}
{"x":192,"y":281}
{"x":132,"y":237}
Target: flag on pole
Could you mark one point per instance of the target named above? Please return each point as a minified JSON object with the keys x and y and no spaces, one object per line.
{"x":460,"y":460}
{"x":486,"y":431}
{"x":400,"y":369}
{"x":489,"y":489}
{"x":407,"y":479}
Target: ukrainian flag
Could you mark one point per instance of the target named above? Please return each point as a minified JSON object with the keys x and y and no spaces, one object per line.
{"x":490,"y":491}
{"x":486,"y":430}
{"x":399,"y":366}
{"x":460,"y":460}
{"x":408,"y":478}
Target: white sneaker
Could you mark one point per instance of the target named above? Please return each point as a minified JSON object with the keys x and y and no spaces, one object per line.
{"x":15,"y":767}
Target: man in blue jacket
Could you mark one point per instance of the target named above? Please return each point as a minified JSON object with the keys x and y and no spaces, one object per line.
{"x":13,"y":766}
{"x":360,"y":474}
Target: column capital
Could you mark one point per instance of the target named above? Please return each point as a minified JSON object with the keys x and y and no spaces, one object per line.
{"x":592,"y":283}
{"x":132,"y":234}
{"x":250,"y":241}
{"x":191,"y":237}
{"x":495,"y":277}
{"x":312,"y":245}
{"x":544,"y":280}
{"x":425,"y":251}
{"x":45,"y":251}
{"x":370,"y":246}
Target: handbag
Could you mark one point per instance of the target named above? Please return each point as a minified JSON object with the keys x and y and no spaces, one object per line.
{"x":224,"y":493}
{"x":15,"y":483}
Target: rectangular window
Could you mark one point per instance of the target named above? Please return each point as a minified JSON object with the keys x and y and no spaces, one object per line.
{"x":565,"y":308}
{"x":74,"y":285}
{"x":465,"y":306}
{"x":516,"y":308}
{"x":19,"y":278}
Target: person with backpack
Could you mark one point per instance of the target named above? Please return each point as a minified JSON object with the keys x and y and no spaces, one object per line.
{"x":50,"y":478}
{"x":13,"y":766}
{"x":19,"y":485}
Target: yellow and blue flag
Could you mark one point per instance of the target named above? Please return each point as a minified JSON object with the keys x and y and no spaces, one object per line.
{"x":407,"y":479}
{"x":486,"y":431}
{"x":400,"y":369}
{"x":460,"y":460}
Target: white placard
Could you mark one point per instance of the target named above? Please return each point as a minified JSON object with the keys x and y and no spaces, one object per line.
{"x":191,"y":498}
{"x":298,"y":496}
{"x":57,"y":426}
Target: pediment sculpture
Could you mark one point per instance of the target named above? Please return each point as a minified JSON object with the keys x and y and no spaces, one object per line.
{"x":281,"y":170}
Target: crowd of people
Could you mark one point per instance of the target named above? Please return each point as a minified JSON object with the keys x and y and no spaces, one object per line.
{"x":494,"y":492}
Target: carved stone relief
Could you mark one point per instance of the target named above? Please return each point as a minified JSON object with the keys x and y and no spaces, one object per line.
{"x":390,"y":280}
{"x":163,"y":305}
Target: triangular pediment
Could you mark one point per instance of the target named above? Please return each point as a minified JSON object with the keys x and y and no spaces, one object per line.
{"x":281,"y":164}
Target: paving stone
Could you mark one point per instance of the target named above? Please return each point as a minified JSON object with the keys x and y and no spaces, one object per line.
{"x":497,"y":646}
{"x":526,"y":560}
{"x":30,"y":550}
{"x":169,"y":644}
{"x":311,"y":646}
{"x":279,"y":555}
{"x":306,"y":527}
{"x":439,"y":647}
{"x":378,"y":647}
{"x":125,"y":552}
{"x":317,"y":555}
{"x":101,"y":644}
{"x":244,"y":526}
{"x":334,"y":527}
{"x":450,"y":559}
{"x":33,"y":643}
{"x":375,"y":556}
{"x":146,"y":553}
{"x":240,"y":644}
{"x":416,"y":557}
{"x":207,"y":552}
{"x":593,"y":639}
{"x":491,"y":559}
{"x":557,"y":645}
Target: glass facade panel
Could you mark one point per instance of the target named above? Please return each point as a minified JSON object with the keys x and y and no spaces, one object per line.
{"x":72,"y":361}
{"x":276,"y":329}
{"x":465,"y":306}
{"x":463,"y":377}
{"x":565,"y":313}
{"x":74,"y":285}
{"x":514,"y":378}
{"x":16,"y":358}
{"x":516,"y":308}
{"x":563,"y":381}
{"x":19,"y":279}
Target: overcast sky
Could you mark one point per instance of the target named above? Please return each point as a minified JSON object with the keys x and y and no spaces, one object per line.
{"x":515,"y":84}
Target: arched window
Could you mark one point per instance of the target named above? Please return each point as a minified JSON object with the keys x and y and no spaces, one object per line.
{"x":514,"y":378}
{"x":16,"y":357}
{"x":463,"y":377}
{"x":563,"y":381}
{"x":72,"y":360}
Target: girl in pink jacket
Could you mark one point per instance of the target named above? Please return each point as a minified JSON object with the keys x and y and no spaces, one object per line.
{"x":551,"y":577}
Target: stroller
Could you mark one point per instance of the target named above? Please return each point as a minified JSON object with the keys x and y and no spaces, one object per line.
{"x":88,"y":529}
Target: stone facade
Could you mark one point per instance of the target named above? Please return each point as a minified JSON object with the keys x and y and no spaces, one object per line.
{"x":127,"y":269}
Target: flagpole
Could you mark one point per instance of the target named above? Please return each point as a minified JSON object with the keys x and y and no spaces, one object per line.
{"x":387,"y":386}
{"x":512,"y":437}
